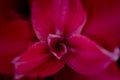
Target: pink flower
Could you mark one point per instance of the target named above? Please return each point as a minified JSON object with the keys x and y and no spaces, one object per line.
{"x":65,"y":39}
{"x":77,"y":40}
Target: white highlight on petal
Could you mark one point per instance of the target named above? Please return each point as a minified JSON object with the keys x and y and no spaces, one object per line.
{"x":52,"y":36}
{"x":113,"y":55}
{"x":17,"y":63}
{"x":18,"y":77}
{"x":80,"y":28}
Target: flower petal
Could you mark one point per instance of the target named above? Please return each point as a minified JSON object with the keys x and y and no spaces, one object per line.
{"x":41,"y":15}
{"x":15,"y":37}
{"x":36,"y":62}
{"x":103,"y":25}
{"x":86,"y":57}
{"x":75,"y":17}
{"x":61,"y":17}
{"x":50,"y":67}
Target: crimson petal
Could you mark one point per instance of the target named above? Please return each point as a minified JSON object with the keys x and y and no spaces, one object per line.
{"x":61,"y":17}
{"x":75,"y":17}
{"x":41,"y":15}
{"x":36,"y":62}
{"x":86,"y":57}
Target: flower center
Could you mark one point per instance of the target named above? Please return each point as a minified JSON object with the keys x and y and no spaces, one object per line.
{"x":56,"y":45}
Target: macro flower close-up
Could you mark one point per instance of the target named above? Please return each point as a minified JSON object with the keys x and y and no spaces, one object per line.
{"x":60,"y":40}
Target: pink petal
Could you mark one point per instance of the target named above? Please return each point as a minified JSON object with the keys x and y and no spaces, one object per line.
{"x":41,"y":15}
{"x":50,"y":67}
{"x":15,"y":37}
{"x":36,"y":62}
{"x":86,"y":57}
{"x":75,"y":17}
{"x":103,"y":25}
{"x":60,"y":17}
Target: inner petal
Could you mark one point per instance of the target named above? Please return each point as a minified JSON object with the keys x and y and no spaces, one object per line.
{"x":56,"y":45}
